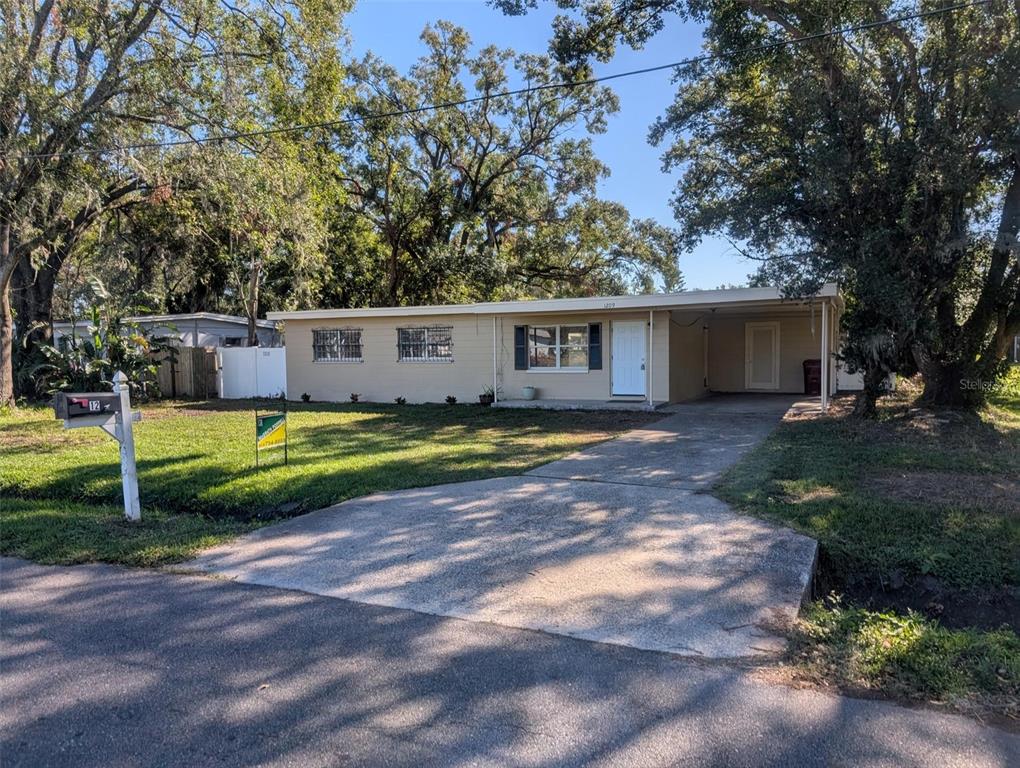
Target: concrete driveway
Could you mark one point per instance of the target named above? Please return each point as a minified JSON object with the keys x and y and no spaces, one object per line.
{"x":642,"y":561}
{"x":689,"y":449}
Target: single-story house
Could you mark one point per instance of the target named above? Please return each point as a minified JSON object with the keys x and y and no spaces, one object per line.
{"x":643,"y":349}
{"x":192,"y":329}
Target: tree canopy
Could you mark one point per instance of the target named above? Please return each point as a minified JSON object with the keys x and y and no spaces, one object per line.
{"x":82,"y":82}
{"x":487,"y":199}
{"x":492,"y":198}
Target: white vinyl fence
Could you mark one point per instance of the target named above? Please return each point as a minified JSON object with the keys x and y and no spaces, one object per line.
{"x":854,"y":382}
{"x":251,"y":371}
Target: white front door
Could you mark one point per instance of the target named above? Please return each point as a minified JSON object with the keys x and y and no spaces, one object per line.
{"x":629,"y":358}
{"x":761,"y":360}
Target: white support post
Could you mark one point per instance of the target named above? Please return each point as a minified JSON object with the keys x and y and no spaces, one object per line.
{"x":833,"y":346}
{"x":651,"y":345}
{"x":495,"y":389}
{"x":126,"y":436}
{"x":825,"y":356}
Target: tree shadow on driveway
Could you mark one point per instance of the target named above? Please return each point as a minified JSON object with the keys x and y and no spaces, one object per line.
{"x":104,"y":666}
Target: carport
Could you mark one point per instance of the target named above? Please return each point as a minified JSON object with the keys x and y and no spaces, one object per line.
{"x":755,"y":346}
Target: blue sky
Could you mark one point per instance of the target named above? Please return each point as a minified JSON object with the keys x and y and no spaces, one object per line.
{"x":390,"y":29}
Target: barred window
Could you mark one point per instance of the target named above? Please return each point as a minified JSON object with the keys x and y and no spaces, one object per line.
{"x":336,"y":345}
{"x":424,"y":344}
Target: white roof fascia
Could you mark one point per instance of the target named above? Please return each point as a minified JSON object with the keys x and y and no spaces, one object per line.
{"x":720,"y":297}
{"x":156,"y":319}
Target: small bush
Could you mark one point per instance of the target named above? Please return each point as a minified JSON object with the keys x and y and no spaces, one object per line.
{"x":400,"y":400}
{"x":451,"y":400}
{"x":355,"y":397}
{"x":305,"y":397}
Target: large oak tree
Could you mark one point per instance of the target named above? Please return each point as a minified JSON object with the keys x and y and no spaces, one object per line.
{"x":80,"y":78}
{"x":885,"y":158}
{"x":495,"y":197}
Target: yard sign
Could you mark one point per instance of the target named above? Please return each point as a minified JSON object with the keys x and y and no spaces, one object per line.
{"x":270,"y":432}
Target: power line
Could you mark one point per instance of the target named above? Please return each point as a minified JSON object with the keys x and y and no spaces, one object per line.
{"x":566,"y":84}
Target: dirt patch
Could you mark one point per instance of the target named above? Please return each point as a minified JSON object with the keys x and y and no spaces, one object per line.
{"x":990,"y":608}
{"x":990,"y":493}
{"x":902,"y":422}
{"x":985,"y":608}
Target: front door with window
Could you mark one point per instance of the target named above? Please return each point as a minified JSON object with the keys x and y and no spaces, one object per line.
{"x":629,"y":345}
{"x":761,"y":360}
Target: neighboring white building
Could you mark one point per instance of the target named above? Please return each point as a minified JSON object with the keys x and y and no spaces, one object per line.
{"x":194,"y":329}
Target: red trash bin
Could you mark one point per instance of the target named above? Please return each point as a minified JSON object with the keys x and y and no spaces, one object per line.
{"x":813,"y":378}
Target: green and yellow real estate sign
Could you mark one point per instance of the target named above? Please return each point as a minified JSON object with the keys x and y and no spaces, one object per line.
{"x":270,"y":430}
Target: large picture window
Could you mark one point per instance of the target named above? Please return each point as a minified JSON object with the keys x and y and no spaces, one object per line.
{"x":336,"y":345}
{"x":424,"y":345}
{"x":558,"y":346}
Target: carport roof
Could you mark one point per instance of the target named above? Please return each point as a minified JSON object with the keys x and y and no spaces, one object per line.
{"x":723,"y":297}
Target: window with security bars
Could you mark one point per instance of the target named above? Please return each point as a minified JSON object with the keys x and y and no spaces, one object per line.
{"x":336,"y":345}
{"x":424,"y":344}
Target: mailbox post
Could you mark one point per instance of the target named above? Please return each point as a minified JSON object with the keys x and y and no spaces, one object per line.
{"x":112,"y":413}
{"x":126,"y":437}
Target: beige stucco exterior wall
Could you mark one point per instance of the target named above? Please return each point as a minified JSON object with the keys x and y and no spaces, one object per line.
{"x":380,"y":377}
{"x":726,"y":348}
{"x":586,"y":385}
{"x":686,"y":357}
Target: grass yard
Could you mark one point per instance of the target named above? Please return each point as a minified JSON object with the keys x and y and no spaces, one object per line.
{"x":918,"y":520}
{"x":60,"y":491}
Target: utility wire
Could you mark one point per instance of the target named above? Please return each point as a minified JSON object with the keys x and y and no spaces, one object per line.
{"x":513,"y":92}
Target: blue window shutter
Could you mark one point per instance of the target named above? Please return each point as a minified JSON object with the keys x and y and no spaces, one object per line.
{"x":595,"y":346}
{"x":520,"y":347}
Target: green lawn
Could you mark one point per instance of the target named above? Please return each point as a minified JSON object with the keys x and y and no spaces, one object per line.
{"x":918,"y":521}
{"x":61,"y":492}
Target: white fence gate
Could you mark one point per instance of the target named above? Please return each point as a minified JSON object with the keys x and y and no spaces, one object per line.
{"x":251,"y":371}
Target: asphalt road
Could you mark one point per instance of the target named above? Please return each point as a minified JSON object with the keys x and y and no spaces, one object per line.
{"x":101,"y":666}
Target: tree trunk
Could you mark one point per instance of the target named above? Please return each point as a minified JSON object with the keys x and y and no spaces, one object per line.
{"x":253,"y":300}
{"x":875,"y":378}
{"x":6,"y":319}
{"x":948,"y":384}
{"x":962,"y":373}
{"x":32,"y":296}
{"x":959,"y":385}
{"x":394,"y":276}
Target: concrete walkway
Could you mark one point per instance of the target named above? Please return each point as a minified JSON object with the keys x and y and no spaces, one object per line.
{"x":625,"y":562}
{"x":102,"y":666}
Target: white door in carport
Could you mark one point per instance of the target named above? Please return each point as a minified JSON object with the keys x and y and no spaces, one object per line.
{"x":629,"y":350}
{"x":761,"y":355}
